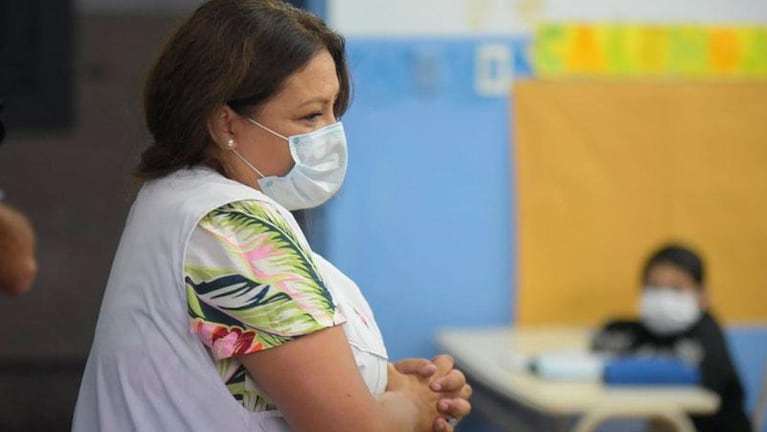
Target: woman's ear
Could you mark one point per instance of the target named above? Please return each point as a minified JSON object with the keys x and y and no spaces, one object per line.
{"x":221,"y":125}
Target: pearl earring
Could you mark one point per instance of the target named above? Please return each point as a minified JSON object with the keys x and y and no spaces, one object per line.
{"x":230,"y":144}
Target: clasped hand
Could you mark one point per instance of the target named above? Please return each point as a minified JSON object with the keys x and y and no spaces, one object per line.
{"x":453,"y":392}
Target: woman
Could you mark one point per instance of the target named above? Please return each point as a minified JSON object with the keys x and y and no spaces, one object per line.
{"x":675,"y":320}
{"x":217,"y":314}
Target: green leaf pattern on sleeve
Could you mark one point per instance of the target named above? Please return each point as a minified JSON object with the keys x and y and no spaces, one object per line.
{"x":252,"y":285}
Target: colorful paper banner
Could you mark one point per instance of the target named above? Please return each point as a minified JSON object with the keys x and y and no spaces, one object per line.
{"x":561,"y":50}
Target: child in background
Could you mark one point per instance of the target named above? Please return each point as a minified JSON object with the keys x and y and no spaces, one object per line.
{"x":675,"y":320}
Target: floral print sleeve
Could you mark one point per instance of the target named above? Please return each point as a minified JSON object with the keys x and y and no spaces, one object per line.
{"x":252,"y":285}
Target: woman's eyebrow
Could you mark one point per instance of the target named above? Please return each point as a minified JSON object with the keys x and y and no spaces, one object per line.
{"x":320,"y":99}
{"x":315,"y":100}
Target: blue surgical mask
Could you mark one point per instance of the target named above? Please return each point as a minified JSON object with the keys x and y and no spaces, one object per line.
{"x":320,"y":159}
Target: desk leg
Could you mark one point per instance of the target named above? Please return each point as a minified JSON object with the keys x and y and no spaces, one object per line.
{"x":561,"y":424}
{"x":659,"y":425}
{"x":674,"y":419}
{"x":509,"y":415}
{"x":499,"y":412}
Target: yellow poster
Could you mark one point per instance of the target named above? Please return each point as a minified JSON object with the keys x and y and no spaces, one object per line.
{"x":608,"y":171}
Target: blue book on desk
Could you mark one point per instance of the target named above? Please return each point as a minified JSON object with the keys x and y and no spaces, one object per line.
{"x":650,"y":371}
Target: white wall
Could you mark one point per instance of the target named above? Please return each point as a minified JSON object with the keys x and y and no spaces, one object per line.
{"x":467,"y":17}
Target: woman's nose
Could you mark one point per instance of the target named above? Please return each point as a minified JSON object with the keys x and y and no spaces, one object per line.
{"x":329,"y":119}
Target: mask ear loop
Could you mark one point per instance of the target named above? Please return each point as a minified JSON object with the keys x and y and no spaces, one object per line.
{"x":267,"y":129}
{"x":230,"y":145}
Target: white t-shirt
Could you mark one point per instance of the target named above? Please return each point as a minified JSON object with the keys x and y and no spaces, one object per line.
{"x":147,"y":369}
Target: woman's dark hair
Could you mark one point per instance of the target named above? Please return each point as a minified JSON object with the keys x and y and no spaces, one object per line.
{"x":235,"y":52}
{"x":678,"y":256}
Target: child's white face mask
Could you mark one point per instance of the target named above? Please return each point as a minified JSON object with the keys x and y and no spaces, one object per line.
{"x":320,"y":158}
{"x":667,"y":311}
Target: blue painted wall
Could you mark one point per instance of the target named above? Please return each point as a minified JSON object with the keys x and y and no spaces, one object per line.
{"x":424,"y":222}
{"x":748,"y":346}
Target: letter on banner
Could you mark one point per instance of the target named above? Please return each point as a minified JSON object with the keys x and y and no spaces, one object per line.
{"x":724,"y":50}
{"x":493,"y":70}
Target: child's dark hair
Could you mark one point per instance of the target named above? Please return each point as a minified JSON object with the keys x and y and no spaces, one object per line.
{"x":681,"y":257}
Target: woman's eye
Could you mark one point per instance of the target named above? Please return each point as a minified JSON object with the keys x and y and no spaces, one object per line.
{"x":313,"y":116}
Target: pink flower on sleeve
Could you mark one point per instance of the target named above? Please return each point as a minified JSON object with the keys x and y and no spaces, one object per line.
{"x":224,"y":347}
